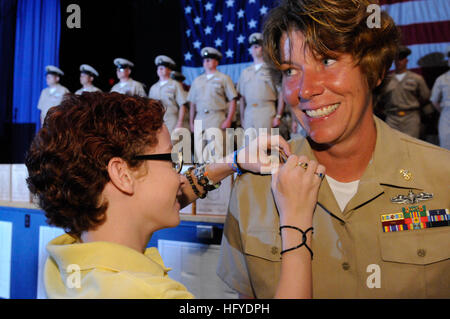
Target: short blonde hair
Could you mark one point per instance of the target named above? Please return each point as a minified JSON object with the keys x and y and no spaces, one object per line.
{"x":335,"y":26}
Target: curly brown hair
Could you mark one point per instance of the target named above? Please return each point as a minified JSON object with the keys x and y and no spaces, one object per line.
{"x":331,"y":27}
{"x":68,"y":159}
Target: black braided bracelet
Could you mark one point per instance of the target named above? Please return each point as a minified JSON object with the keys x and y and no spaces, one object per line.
{"x":194,"y":188}
{"x":303,"y":239}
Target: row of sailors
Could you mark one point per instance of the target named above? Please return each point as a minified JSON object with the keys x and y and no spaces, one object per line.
{"x":212,"y":97}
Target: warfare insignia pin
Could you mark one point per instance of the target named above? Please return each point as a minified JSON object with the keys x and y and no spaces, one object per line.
{"x":411,"y":198}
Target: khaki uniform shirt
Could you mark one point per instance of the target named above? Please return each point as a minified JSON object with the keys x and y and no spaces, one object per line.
{"x":347,"y":245}
{"x":50,"y":97}
{"x":441,"y":94}
{"x":172,"y":96}
{"x":131,"y":87}
{"x":400,"y":96}
{"x":88,"y":89}
{"x":260,"y":94}
{"x":210,"y":97}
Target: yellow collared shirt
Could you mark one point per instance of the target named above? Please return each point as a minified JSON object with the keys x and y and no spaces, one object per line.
{"x":107,"y":270}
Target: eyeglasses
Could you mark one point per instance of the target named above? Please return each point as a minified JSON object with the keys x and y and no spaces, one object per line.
{"x":175,"y":158}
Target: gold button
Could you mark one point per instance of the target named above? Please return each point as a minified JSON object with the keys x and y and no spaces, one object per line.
{"x":421,"y":252}
{"x":345,"y":266}
{"x":274,"y":250}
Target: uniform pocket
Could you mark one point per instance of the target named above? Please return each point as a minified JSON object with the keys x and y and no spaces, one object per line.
{"x":417,"y":247}
{"x":265,"y":244}
{"x":410,"y":85}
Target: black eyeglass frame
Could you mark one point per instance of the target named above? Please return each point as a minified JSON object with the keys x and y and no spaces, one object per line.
{"x":163,"y":157}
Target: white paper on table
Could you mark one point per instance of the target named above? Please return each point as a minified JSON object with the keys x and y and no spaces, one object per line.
{"x":5,"y":258}
{"x":19,"y":188}
{"x":186,"y":210}
{"x":46,"y":234}
{"x":217,"y":201}
{"x":5,"y":182}
{"x":194,"y":265}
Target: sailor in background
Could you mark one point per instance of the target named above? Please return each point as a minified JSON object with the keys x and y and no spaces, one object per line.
{"x":440,"y":96}
{"x":87,"y":76}
{"x":403,"y":96}
{"x":179,"y":77}
{"x":169,"y":92}
{"x":126,"y":84}
{"x":212,"y":98}
{"x":258,"y":92}
{"x":53,"y":94}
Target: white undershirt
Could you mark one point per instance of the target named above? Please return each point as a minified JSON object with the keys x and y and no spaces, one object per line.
{"x":400,"y":76}
{"x":161,"y":83}
{"x":343,"y":192}
{"x":258,"y":66}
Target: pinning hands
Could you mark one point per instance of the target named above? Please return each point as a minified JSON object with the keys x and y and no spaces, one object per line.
{"x":295,"y":187}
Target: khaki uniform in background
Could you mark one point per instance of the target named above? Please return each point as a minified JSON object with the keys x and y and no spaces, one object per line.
{"x":260,"y":94}
{"x":211,"y":97}
{"x":348,"y":245}
{"x":441,"y":94}
{"x":131,"y":87}
{"x":88,"y":89}
{"x":50,"y":97}
{"x":402,"y":101}
{"x":172,"y":96}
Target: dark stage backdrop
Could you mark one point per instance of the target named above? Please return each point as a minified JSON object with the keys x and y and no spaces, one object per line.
{"x":8,"y":10}
{"x":137,"y":30}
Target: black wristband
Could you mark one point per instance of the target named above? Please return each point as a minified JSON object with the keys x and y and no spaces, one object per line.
{"x":303,"y":243}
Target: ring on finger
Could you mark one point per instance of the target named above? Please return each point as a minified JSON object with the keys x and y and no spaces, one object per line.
{"x":302,"y":165}
{"x":320,"y":175}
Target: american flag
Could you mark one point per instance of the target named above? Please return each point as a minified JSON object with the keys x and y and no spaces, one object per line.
{"x":425,"y":27}
{"x":224,"y":25}
{"x":227,"y":24}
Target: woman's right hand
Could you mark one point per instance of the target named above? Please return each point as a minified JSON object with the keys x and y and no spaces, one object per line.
{"x":295,"y":190}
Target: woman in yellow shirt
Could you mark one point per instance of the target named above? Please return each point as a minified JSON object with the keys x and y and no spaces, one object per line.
{"x":102,"y":169}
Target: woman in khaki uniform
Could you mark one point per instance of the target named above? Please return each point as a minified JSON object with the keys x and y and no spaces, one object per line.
{"x":381,"y":224}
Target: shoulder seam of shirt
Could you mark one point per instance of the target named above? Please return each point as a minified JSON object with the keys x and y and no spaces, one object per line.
{"x":422,"y":144}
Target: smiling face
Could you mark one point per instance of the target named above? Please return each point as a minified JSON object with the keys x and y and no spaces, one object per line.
{"x":158,"y":188}
{"x":329,"y":97}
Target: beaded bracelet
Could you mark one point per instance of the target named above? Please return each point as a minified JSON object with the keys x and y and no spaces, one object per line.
{"x":203,"y":179}
{"x":303,"y":243}
{"x":194,"y":188}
